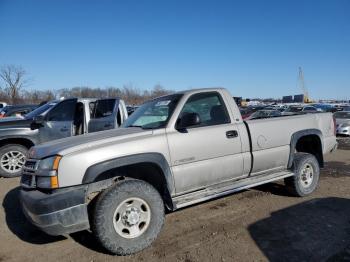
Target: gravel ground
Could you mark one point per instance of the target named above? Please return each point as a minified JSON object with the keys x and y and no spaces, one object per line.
{"x":261,"y":224}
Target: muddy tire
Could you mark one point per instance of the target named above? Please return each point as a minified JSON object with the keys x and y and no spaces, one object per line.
{"x":12,"y":158}
{"x":306,"y":175}
{"x":128,"y":217}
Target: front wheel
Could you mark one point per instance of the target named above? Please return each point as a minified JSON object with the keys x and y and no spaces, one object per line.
{"x":128,"y":217}
{"x":12,"y":159}
{"x":306,"y":175}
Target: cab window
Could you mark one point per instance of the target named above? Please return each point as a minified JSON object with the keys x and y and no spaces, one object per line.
{"x":102,"y":108}
{"x":210,"y":108}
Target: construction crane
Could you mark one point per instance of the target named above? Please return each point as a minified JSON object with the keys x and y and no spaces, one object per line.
{"x":302,"y":86}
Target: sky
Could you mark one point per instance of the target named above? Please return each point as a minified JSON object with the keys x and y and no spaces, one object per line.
{"x":253,"y":48}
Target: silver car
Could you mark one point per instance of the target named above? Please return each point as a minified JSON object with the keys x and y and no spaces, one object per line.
{"x":343,"y":122}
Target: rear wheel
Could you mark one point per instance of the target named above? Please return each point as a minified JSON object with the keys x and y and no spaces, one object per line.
{"x":128,"y":217}
{"x":12,"y":159}
{"x":306,"y":175}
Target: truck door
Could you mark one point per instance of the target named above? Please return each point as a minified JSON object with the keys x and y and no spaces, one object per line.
{"x":209,"y":153}
{"x":58,"y":121}
{"x":104,"y":114}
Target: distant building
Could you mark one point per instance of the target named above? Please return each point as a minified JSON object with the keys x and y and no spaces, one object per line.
{"x":298,"y":99}
{"x":287,"y":99}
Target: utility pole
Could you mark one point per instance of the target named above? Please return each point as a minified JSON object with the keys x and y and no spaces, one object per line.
{"x":302,"y":85}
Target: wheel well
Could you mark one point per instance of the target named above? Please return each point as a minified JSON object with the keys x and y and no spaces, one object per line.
{"x":311,"y":144}
{"x":146,"y":171}
{"x":18,"y":141}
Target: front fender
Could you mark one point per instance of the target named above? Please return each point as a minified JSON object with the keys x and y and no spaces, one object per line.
{"x":20,"y":134}
{"x":94,"y":171}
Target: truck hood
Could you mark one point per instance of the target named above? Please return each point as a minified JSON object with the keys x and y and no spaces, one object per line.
{"x":72,"y":144}
{"x":14,"y":122}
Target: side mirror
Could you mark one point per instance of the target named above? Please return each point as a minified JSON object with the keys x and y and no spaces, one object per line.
{"x":187,"y":120}
{"x":37,"y":122}
{"x":39,"y":119}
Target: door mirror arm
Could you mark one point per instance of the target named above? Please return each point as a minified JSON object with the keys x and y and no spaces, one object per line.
{"x":38,"y":122}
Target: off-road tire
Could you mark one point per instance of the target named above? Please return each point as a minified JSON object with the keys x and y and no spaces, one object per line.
{"x":7,"y":148}
{"x":294,"y":183}
{"x":104,"y":210}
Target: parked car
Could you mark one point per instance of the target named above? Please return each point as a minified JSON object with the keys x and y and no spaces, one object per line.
{"x":247,"y":111}
{"x":16,"y":111}
{"x":2,"y":105}
{"x":172,"y":152}
{"x":343,"y":122}
{"x":345,"y":108}
{"x":275,"y":107}
{"x":264,"y":114}
{"x":325,"y":107}
{"x":341,"y":107}
{"x":292,"y":110}
{"x":55,"y":120}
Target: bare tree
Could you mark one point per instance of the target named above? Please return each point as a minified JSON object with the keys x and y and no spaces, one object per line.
{"x":159,"y":90}
{"x":14,"y":80}
{"x":131,"y":94}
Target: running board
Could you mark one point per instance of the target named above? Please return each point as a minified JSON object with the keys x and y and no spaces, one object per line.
{"x":226,"y":188}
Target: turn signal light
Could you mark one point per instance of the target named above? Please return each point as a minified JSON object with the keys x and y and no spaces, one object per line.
{"x":56,"y":162}
{"x":54,"y":181}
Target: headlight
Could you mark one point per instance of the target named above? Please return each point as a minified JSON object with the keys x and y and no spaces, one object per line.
{"x":50,"y":163}
{"x":50,"y":180}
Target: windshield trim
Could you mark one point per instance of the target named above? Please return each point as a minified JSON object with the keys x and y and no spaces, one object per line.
{"x":33,"y":114}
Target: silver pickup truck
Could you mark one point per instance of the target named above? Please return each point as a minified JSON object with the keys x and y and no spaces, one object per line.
{"x":174,"y":151}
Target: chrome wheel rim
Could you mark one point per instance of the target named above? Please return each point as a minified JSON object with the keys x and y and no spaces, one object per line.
{"x":307,"y":175}
{"x":132,"y":218}
{"x":12,"y":161}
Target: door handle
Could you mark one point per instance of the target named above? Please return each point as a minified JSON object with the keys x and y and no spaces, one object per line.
{"x":232,"y":134}
{"x":64,"y":129}
{"x":108,"y":125}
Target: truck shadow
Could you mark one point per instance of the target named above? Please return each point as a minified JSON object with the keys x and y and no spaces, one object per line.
{"x":86,"y":239}
{"x":18,"y":224}
{"x":274,"y":188}
{"x":316,"y":230}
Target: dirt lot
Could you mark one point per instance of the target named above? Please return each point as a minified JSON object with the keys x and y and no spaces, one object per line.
{"x":256,"y":225}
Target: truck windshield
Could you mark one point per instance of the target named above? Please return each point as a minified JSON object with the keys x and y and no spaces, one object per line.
{"x":154,"y":114}
{"x":40,"y":110}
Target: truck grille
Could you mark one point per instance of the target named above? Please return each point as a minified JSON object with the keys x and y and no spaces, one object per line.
{"x":28,"y":174}
{"x":28,"y":181}
{"x":30,"y":164}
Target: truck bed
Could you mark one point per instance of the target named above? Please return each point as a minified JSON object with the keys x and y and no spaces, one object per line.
{"x":271,"y":137}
